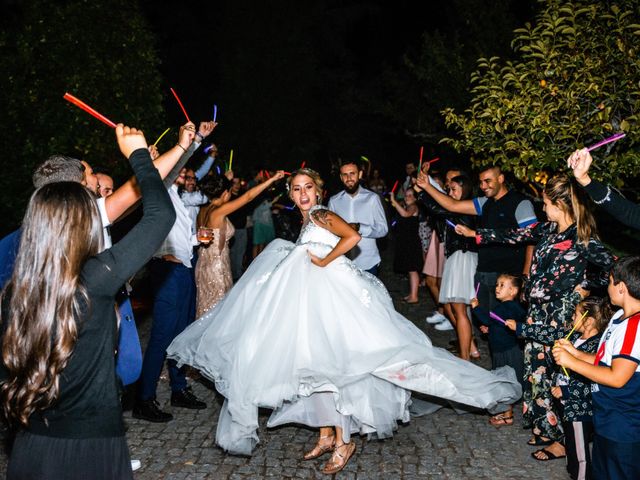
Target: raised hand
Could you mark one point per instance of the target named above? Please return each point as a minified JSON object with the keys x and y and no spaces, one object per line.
{"x":580,"y":161}
{"x":186,"y":135}
{"x":423,"y":179}
{"x":129,"y":139}
{"x":153,"y":151}
{"x":279,"y":175}
{"x":205,"y":129}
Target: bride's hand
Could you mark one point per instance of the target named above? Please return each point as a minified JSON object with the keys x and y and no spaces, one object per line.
{"x":316,"y":260}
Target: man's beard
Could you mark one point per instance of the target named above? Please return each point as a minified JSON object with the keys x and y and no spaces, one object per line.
{"x":353,"y":189}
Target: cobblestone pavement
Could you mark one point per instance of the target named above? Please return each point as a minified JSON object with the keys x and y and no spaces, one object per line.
{"x":443,"y":445}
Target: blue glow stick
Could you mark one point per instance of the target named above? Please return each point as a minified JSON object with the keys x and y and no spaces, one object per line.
{"x":215,"y":112}
{"x":450,"y":223}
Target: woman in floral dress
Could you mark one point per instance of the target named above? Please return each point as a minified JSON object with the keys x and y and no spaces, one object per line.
{"x":568,"y":261}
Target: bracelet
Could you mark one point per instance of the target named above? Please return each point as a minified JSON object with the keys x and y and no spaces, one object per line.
{"x":178,"y":145}
{"x":198,"y":134}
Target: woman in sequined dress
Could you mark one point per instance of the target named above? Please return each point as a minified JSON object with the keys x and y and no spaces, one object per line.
{"x":213,"y":270}
{"x":306,"y":333}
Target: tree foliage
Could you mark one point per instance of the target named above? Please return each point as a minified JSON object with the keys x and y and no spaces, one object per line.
{"x":576,"y":80}
{"x":102,"y":52}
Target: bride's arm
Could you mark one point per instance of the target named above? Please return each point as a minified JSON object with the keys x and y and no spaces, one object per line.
{"x":349,"y":238}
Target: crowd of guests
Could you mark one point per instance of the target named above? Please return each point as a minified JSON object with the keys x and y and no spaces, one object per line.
{"x":542,"y":291}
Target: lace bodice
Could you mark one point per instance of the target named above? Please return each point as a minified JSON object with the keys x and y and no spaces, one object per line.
{"x":314,"y":233}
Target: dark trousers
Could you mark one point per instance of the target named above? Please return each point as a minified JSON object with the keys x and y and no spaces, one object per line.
{"x":173,"y":311}
{"x":577,"y":437}
{"x":615,"y":460}
{"x":374,"y":270}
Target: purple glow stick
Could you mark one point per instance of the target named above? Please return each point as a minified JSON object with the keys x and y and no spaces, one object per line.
{"x":612,"y":138}
{"x":477,"y":289}
{"x":215,"y":112}
{"x":218,"y":169}
{"x":208,"y":149}
{"x":450,"y":223}
{"x":497,"y":318}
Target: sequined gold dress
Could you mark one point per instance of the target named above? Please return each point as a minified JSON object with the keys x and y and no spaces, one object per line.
{"x":213,"y":270}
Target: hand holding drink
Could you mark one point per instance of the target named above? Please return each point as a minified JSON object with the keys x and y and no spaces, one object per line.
{"x":205,"y":235}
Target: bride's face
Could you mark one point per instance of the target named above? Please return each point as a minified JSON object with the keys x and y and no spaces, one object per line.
{"x":303,"y":192}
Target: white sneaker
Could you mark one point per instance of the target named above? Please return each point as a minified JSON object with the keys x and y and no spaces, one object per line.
{"x":135,"y":465}
{"x":443,"y":326}
{"x":436,"y":317}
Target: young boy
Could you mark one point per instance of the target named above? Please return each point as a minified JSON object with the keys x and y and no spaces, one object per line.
{"x":615,"y":371}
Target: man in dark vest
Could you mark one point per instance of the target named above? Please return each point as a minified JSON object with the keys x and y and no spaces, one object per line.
{"x":499,"y":208}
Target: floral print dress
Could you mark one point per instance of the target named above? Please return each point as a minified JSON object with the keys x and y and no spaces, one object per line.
{"x":560,"y":263}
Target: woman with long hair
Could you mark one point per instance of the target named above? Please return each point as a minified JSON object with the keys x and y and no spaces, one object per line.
{"x":568,"y":261}
{"x":59,"y":329}
{"x":457,"y":289}
{"x":213,"y":270}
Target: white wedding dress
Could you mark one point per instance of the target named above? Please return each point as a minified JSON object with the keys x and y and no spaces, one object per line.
{"x":322,"y":347}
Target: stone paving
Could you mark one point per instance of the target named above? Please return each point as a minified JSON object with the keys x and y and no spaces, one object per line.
{"x":443,"y":445}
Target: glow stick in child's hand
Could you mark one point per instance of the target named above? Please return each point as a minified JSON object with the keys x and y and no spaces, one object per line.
{"x":584,"y":314}
{"x":497,"y":318}
{"x":80,"y":104}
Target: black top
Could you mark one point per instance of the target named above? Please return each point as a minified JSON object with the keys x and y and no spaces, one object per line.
{"x":88,"y":403}
{"x":615,"y":204}
{"x":501,"y":338}
{"x":452,"y":241}
{"x":499,"y":214}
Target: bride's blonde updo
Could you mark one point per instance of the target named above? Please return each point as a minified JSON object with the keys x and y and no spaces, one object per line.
{"x":315,"y":176}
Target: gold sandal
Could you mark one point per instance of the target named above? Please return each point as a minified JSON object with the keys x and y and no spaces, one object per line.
{"x":338,"y":461}
{"x":320,"y":449}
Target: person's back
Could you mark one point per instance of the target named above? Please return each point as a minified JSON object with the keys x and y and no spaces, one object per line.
{"x":63,"y":394}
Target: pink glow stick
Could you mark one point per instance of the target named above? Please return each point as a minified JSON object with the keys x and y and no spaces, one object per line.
{"x":497,"y":318}
{"x":80,"y":104}
{"x":433,"y":160}
{"x":612,"y":138}
{"x":477,"y":289}
{"x":180,"y":103}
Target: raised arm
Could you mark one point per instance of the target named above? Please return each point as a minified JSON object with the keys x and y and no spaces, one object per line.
{"x":410,"y":211}
{"x":349,"y":238}
{"x":111,"y":268}
{"x":606,"y":197}
{"x":251,"y":194}
{"x":451,"y":204}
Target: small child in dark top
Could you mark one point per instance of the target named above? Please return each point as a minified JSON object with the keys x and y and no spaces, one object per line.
{"x":503,"y":343}
{"x":574,"y":392}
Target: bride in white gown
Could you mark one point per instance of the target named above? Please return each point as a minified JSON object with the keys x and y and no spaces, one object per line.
{"x":307,"y":334}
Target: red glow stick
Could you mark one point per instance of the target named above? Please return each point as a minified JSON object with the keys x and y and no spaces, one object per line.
{"x":180,"y":103}
{"x":395,"y":185}
{"x":287,"y":173}
{"x":303,"y":164}
{"x":79,"y":103}
{"x":420,"y":164}
{"x":433,"y":160}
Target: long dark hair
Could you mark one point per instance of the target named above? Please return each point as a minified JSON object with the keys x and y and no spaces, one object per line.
{"x":60,"y":231}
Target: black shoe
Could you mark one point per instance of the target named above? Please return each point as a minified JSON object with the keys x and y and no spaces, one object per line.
{"x":149,"y":410}
{"x":186,"y":399}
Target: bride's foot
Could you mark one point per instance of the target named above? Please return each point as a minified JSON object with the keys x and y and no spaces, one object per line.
{"x":325,"y":444}
{"x":339,"y":459}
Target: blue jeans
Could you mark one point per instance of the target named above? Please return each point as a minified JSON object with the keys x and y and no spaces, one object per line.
{"x":173,"y":311}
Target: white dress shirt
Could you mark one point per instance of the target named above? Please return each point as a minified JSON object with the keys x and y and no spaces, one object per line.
{"x":180,"y":241}
{"x":363,"y":207}
{"x":192,"y":202}
{"x":106,"y":223}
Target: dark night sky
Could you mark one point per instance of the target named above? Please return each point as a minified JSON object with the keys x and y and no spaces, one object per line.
{"x":207,"y":55}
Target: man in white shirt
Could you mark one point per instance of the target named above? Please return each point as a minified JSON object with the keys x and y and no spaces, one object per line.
{"x":173,"y":306}
{"x":363,"y":210}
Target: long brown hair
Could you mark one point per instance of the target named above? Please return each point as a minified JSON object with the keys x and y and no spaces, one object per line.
{"x":60,"y":231}
{"x":565,"y":193}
